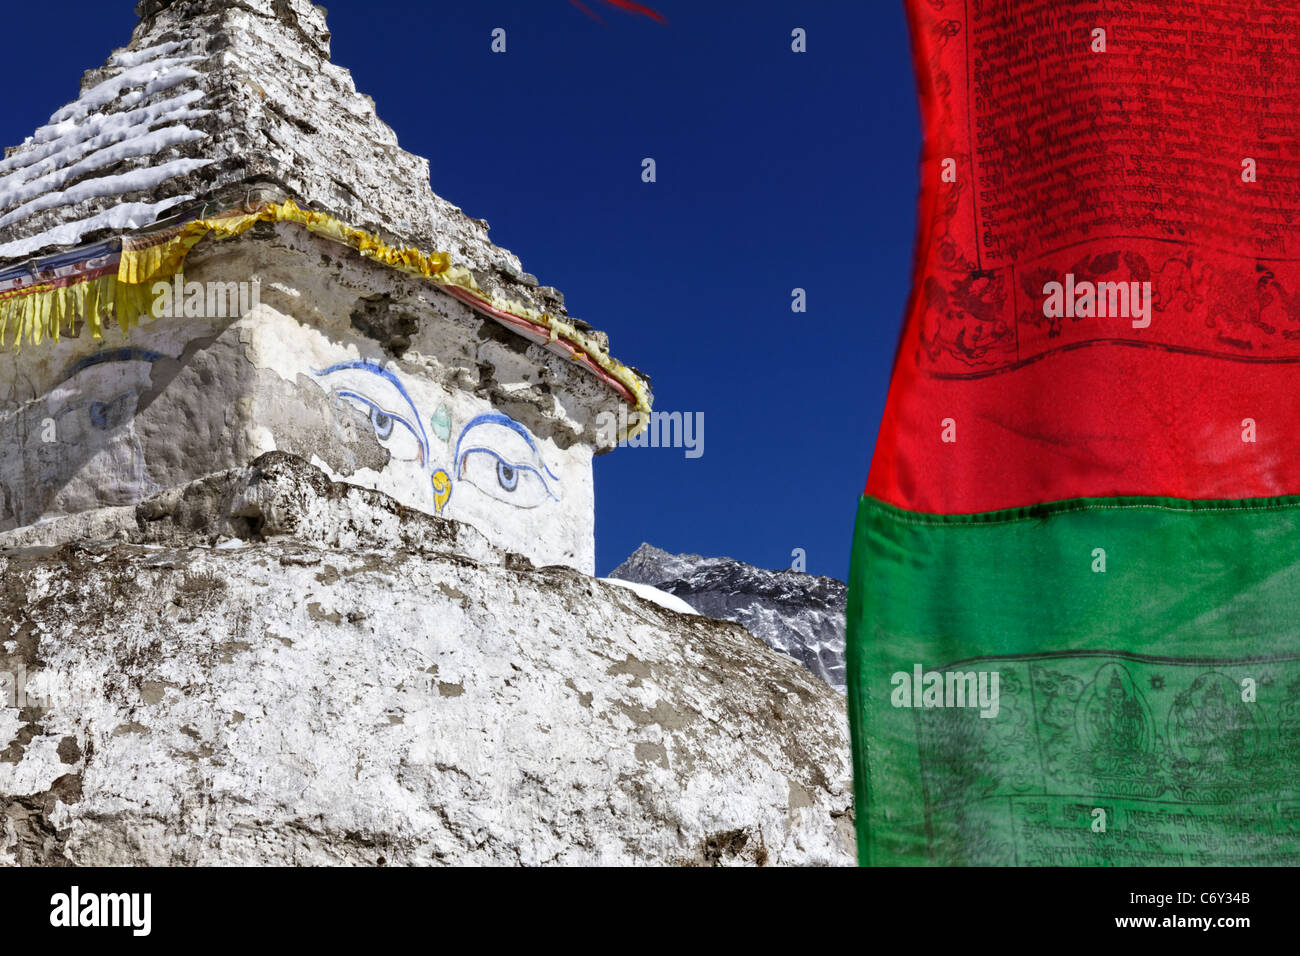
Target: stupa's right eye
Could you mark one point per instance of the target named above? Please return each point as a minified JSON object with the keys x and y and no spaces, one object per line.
{"x":515,"y":483}
{"x":499,"y":457}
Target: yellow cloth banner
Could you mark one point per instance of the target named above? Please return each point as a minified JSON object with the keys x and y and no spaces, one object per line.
{"x":44,"y":311}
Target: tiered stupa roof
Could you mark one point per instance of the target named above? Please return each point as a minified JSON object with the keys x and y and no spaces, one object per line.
{"x":220,"y":114}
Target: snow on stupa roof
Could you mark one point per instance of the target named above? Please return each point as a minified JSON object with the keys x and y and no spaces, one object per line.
{"x":216,"y":101}
{"x":211,"y":95}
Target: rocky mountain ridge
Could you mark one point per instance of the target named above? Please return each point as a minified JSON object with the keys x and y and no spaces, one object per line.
{"x":795,"y":613}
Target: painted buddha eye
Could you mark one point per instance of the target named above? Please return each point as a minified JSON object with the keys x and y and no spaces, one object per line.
{"x":380,"y":396}
{"x":100,"y":390}
{"x":514,"y":483}
{"x":395,"y":432}
{"x":499,"y":457}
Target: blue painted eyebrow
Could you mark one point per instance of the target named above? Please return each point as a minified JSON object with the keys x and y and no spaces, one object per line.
{"x":125,"y":354}
{"x":496,"y":418}
{"x":383,"y":373}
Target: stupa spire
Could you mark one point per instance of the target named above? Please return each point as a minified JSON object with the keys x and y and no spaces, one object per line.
{"x":212,"y":98}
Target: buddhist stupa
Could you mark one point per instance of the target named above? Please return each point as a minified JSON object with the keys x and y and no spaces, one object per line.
{"x":218,"y":250}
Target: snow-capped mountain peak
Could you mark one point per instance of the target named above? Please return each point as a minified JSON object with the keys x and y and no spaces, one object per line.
{"x":795,"y":613}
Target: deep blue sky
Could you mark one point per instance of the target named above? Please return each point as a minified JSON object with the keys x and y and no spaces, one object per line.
{"x":776,"y":170}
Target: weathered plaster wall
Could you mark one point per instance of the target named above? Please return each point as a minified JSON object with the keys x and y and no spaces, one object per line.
{"x":378,"y":378}
{"x":363,"y":684}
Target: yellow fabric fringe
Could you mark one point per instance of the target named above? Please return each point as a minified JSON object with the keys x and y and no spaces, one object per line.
{"x":43,"y":312}
{"x":36,"y":313}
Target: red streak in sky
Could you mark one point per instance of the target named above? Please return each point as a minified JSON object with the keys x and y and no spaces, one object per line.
{"x":627,"y":5}
{"x":587,"y":10}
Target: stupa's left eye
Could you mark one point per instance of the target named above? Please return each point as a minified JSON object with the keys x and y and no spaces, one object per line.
{"x":380,"y":396}
{"x":395,"y":432}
